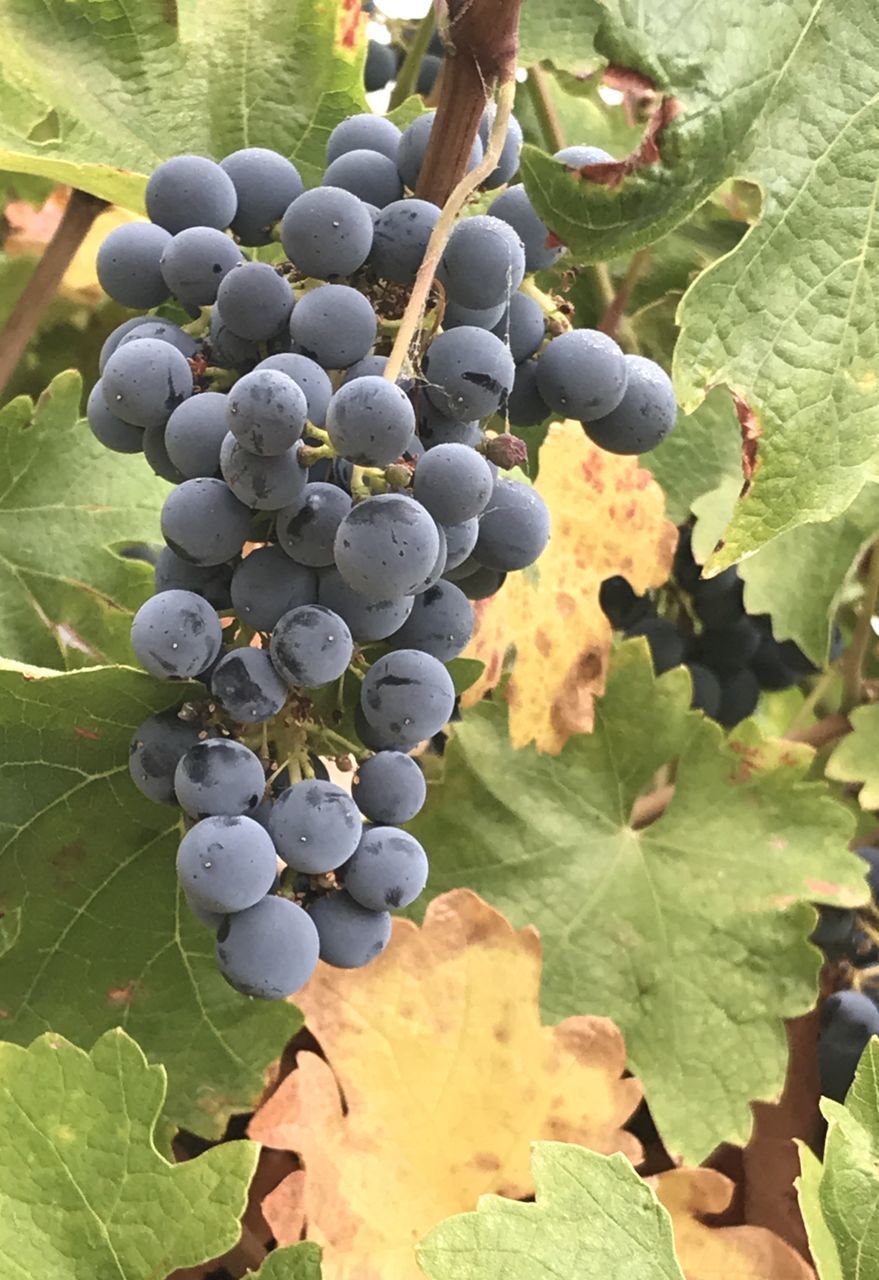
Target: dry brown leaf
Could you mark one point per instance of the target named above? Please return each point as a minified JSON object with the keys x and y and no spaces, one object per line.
{"x":447,"y":1076}
{"x":608,"y":518}
{"x":721,"y":1253}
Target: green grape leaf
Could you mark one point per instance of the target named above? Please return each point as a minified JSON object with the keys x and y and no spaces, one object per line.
{"x":296,"y":1262}
{"x":690,"y":933}
{"x":702,"y":452}
{"x":839,"y":1200}
{"x":88,"y":1195}
{"x":593,"y":1218}
{"x":561,"y":32}
{"x":66,"y":596}
{"x":799,"y":577}
{"x":104,"y":939}
{"x":856,"y":757}
{"x":97,"y":96}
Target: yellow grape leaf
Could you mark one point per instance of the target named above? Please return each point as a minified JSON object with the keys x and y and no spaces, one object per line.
{"x":30,"y":230}
{"x":608,"y":518}
{"x":447,"y":1076}
{"x":721,"y":1253}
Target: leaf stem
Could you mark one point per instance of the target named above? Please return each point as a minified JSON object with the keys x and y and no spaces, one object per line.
{"x":614,"y":318}
{"x":408,"y":73}
{"x":548,"y":117}
{"x":81,"y":211}
{"x":853,"y":661}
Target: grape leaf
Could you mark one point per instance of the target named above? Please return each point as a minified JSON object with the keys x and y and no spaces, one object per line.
{"x":560,"y":32}
{"x":88,"y":863}
{"x":691,"y":933}
{"x":703,"y":451}
{"x":296,"y":1262}
{"x":840,"y":1200}
{"x":799,"y":577}
{"x":88,"y":1195}
{"x":593,"y":1218}
{"x":66,"y":596}
{"x":856,"y":758}
{"x":97,"y":95}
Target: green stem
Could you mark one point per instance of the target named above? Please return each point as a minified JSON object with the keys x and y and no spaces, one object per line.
{"x":853,"y":661}
{"x":537,"y":85}
{"x":408,"y":73}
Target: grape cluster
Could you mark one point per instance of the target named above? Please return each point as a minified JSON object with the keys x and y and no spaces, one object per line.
{"x":383,"y":62}
{"x":329,"y":527}
{"x":849,"y":1017}
{"x":731,"y":655}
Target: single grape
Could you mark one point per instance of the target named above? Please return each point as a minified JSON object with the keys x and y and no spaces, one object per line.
{"x":439,"y":564}
{"x":622,"y":606}
{"x":145,"y":552}
{"x":508,"y":161}
{"x":582,"y":374}
{"x":265,"y":184}
{"x":194,"y":433}
{"x":190,"y":191}
{"x":455,"y":315}
{"x":156,"y":749}
{"x":368,"y":620}
{"x":870,"y":855}
{"x":334,"y":325}
{"x":364,"y":132}
{"x":453,"y":482}
{"x":514,"y":207}
{"x":210,"y":919}
{"x":176,"y":633}
{"x":315,"y":826}
{"x":156,"y":454}
{"x":389,"y":788}
{"x":378,"y":741}
{"x":770,"y":668}
{"x":729,"y":648}
{"x":835,"y":932}
{"x":706,"y":689}
{"x":719,"y":601}
{"x":388,"y":869}
{"x":307,"y":530}
{"x":428,"y":71}
{"x":128,"y":264}
{"x":327,"y":232}
{"x":441,"y":623}
{"x":226,"y":863}
{"x":164,"y":331}
{"x":386,"y":546}
{"x":400,"y":237}
{"x":436,"y":428}
{"x":469,"y":372}
{"x":407,"y":692}
{"x":248,"y":686}
{"x":195,"y":262}
{"x":219,"y":776}
{"x":644,"y":416}
{"x":664,"y":640}
{"x":460,"y":541}
{"x":350,"y":935}
{"x":111,"y":342}
{"x":483,"y":262}
{"x":203,"y":522}
{"x":578,"y":156}
{"x":211,"y":581}
{"x":112,"y":432}
{"x":268,"y":951}
{"x":522,"y":326}
{"x":370,"y":421}
{"x":513,"y":528}
{"x":848,"y":1021}
{"x":368,"y":175}
{"x":263,"y":484}
{"x":739,"y":695}
{"x":266,"y":412}
{"x":254,"y":302}
{"x":228,"y":350}
{"x":311,"y":646}
{"x":380,"y":66}
{"x":525,"y":406}
{"x":482,"y":583}
{"x":413,"y":147}
{"x":144,"y":381}
{"x":311,"y":379}
{"x":267,"y":584}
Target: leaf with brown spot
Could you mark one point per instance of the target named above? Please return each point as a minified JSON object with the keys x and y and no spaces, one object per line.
{"x":608,"y":518}
{"x":721,"y":1253}
{"x":447,"y":1075}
